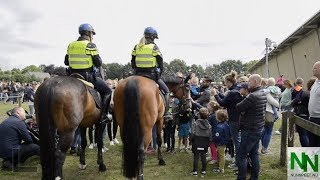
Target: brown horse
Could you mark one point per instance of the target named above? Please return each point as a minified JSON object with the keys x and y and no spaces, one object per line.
{"x":62,"y":104}
{"x":138,"y":106}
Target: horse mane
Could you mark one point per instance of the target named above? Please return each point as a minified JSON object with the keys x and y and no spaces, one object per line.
{"x":172,"y":79}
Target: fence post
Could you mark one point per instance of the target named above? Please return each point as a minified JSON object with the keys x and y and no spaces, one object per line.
{"x":19,"y":100}
{"x":284,"y":133}
{"x":291,"y":129}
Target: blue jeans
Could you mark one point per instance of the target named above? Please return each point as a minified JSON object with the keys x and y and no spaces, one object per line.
{"x":249,"y":144}
{"x":235,"y":134}
{"x":76,"y":139}
{"x":266,"y":135}
{"x":303,"y":135}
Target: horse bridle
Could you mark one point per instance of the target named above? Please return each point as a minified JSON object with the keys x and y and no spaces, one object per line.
{"x":184,"y":101}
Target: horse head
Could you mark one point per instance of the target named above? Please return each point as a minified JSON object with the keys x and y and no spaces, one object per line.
{"x":180,"y":88}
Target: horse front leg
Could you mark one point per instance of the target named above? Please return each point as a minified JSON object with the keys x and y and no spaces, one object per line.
{"x":159,"y":141}
{"x":99,"y":136}
{"x":83,"y":133}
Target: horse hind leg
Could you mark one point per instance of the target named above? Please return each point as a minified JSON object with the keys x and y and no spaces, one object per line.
{"x":65,"y":140}
{"x":142,"y":157}
{"x":99,"y":139}
{"x":159,"y":142}
{"x":83,"y":132}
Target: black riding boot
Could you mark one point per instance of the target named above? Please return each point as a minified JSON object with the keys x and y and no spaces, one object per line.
{"x":105,"y":107}
{"x":167,"y":115}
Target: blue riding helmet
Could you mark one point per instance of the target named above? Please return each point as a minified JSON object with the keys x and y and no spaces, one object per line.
{"x":86,"y":27}
{"x":151,"y":31}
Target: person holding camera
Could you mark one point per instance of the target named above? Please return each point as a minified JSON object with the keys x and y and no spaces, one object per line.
{"x":12,"y":132}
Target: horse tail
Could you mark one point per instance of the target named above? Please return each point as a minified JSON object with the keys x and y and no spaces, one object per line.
{"x":132,"y":133}
{"x":47,"y":131}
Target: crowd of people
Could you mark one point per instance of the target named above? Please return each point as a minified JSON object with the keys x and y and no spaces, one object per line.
{"x":236,"y":117}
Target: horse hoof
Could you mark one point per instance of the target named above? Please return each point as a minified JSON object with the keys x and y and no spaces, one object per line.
{"x":82,"y":166}
{"x":102,"y":168}
{"x":162,"y":162}
{"x":57,"y":178}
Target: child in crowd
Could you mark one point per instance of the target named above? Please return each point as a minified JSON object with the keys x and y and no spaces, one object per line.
{"x":213,"y":106}
{"x":170,"y":127}
{"x":275,"y":92}
{"x":201,"y":135}
{"x":221,"y":138}
{"x":195,"y":88}
{"x":185,"y":116}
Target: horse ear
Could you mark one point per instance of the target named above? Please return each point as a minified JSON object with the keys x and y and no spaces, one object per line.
{"x":187,"y":78}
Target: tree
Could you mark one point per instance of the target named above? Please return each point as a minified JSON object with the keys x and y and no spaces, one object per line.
{"x":249,"y":64}
{"x":197,"y":69}
{"x":127,"y":70}
{"x":177,"y":65}
{"x":49,"y":69}
{"x":214,"y":72}
{"x":31,"y":68}
{"x":113,"y":70}
{"x":15,"y":71}
{"x":60,"y":71}
{"x":228,"y":65}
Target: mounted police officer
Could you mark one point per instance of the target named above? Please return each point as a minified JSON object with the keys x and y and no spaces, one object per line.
{"x":147,"y":61}
{"x":83,"y":58}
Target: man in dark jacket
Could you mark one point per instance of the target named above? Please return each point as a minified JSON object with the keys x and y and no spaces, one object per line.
{"x":12,"y":131}
{"x":253,"y":109}
{"x":204,"y":98}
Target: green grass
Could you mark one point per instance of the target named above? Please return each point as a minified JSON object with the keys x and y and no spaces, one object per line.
{"x":179,"y":165}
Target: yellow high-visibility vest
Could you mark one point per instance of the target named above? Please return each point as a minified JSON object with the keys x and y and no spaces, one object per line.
{"x":80,"y":56}
{"x":145,"y":56}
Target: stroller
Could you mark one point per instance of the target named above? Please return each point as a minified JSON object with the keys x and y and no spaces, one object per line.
{"x":31,"y":126}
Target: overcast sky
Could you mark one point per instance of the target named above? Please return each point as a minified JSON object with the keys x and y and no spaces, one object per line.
{"x":198,"y":31}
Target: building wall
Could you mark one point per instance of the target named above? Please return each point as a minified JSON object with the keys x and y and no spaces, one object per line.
{"x":296,"y":60}
{"x":306,"y":52}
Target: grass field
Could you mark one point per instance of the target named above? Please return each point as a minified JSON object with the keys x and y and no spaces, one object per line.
{"x":179,"y":164}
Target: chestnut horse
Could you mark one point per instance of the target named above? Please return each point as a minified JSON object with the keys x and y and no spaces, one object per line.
{"x":62,"y":104}
{"x":138,"y":106}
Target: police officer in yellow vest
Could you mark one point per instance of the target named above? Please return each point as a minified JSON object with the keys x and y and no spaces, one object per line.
{"x":147,"y":61}
{"x":83,"y":58}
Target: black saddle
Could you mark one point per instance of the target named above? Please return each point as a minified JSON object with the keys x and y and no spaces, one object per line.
{"x":96,"y":96}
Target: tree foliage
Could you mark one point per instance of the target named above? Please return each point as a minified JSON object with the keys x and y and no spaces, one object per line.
{"x":119,"y":71}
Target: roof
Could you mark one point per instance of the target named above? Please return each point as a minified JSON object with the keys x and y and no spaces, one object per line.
{"x":308,"y":26}
{"x":40,"y":75}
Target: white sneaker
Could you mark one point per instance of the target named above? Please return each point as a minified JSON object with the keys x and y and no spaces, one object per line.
{"x":115,"y":140}
{"x":233,"y":166}
{"x":95,"y":145}
{"x":229,"y":158}
{"x":277,"y":132}
{"x":104,"y":149}
{"x":212,"y":162}
{"x":91,"y":146}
